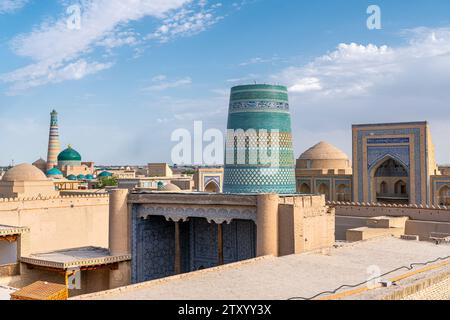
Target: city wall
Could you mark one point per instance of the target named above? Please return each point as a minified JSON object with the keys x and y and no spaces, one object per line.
{"x":58,"y":223}
{"x":424,"y":221}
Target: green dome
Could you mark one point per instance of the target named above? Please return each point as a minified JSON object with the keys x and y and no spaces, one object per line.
{"x":72,"y":177}
{"x":81,"y":177}
{"x":54,"y":172}
{"x":89,"y":177}
{"x":69,"y":155}
{"x":105,"y":174}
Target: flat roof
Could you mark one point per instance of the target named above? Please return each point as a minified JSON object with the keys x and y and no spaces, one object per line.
{"x":414,"y":123}
{"x":10,"y":230}
{"x":74,"y":258}
{"x":271,"y":278}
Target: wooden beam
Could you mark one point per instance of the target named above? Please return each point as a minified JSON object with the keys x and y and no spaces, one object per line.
{"x":10,"y":238}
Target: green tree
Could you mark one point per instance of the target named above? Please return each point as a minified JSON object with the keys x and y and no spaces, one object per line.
{"x":107,"y":182}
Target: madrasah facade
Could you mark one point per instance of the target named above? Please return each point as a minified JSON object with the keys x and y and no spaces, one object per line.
{"x":391,"y":164}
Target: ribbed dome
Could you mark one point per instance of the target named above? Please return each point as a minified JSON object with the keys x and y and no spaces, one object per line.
{"x":170,"y":187}
{"x":24,"y":172}
{"x":323,"y":151}
{"x":69,"y":155}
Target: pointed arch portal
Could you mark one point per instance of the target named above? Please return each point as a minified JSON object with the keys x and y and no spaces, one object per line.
{"x":444,"y":196}
{"x":390,"y":181}
{"x":212,"y":187}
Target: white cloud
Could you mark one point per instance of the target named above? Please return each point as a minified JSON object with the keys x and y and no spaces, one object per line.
{"x":369,"y":84}
{"x":10,"y":6}
{"x":351,"y":69}
{"x":259,"y":60}
{"x":247,"y":78}
{"x":53,"y":47}
{"x":119,"y":39}
{"x":161,"y":83}
{"x":40,"y":74}
{"x":354,"y":69}
{"x":306,"y":84}
{"x":187,"y":22}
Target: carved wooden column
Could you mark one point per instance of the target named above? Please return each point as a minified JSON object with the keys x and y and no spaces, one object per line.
{"x":220,"y":243}
{"x":177,"y":248}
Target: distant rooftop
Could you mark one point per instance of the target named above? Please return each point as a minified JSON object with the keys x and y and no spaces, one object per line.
{"x":287,"y":277}
{"x":390,"y":124}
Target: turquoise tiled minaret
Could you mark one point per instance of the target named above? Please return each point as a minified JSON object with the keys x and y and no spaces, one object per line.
{"x":262,"y":112}
{"x":53,"y":142}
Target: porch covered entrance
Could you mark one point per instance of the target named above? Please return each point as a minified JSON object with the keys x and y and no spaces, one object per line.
{"x":163,"y":247}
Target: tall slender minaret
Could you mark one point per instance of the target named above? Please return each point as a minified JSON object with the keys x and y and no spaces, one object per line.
{"x":53,"y":142}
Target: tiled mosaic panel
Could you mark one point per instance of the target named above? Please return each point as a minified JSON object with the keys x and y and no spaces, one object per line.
{"x":155,"y":256}
{"x":417,"y":150}
{"x":260,"y":121}
{"x":259,"y":107}
{"x":400,"y":153}
{"x":239,"y":242}
{"x":270,"y":106}
{"x":256,"y":139}
{"x":260,"y":176}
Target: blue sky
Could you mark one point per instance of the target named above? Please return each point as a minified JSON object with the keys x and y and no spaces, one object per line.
{"x":130,"y":76}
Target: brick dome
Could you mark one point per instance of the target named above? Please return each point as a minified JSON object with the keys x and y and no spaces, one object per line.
{"x":323,"y":151}
{"x":323,"y":156}
{"x":170,"y":188}
{"x":24,"y":172}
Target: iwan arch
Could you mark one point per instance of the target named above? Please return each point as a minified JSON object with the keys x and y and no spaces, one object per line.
{"x":392,"y":164}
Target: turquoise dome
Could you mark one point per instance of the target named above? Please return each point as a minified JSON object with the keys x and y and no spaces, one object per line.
{"x":72,"y":178}
{"x":105,"y":174}
{"x":89,"y":177}
{"x":54,"y":172}
{"x":69,"y":155}
{"x":81,"y":177}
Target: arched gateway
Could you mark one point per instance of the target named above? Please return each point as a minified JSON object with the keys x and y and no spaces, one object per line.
{"x":390,"y":181}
